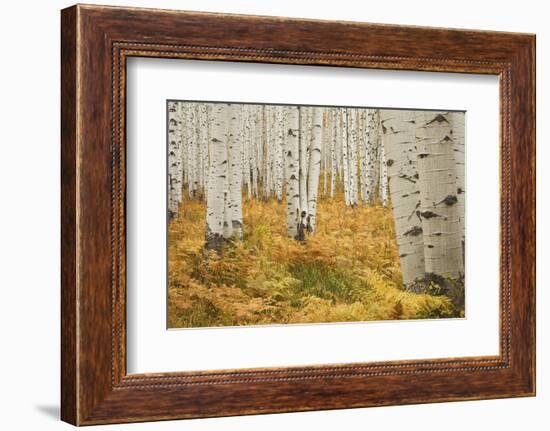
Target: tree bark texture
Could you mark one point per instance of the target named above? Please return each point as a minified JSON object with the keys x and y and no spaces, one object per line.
{"x":411,"y":160}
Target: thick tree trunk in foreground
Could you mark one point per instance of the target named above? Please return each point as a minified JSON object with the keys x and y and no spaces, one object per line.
{"x":399,"y":145}
{"x":216,"y":193}
{"x":314,"y":165}
{"x":438,"y":195}
{"x":292,"y":170}
{"x":459,"y":151}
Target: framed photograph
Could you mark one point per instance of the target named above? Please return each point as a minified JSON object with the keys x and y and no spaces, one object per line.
{"x":265,"y":214}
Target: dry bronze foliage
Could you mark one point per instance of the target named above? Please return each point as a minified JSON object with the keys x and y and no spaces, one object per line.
{"x":348,"y":271}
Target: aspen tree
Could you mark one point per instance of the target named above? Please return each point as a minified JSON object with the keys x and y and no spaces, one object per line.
{"x":279,"y":151}
{"x":261,"y":150}
{"x":246,"y":148}
{"x":459,"y":151}
{"x":345,"y":156}
{"x":204,"y":127}
{"x":268,"y":124}
{"x":399,"y":140}
{"x":352,"y":156}
{"x":438,"y":209}
{"x":303,"y":157}
{"x":325,"y":150}
{"x":216,"y":193}
{"x":190,"y":144}
{"x":373,"y":164}
{"x":333,"y":150}
{"x":253,"y":115}
{"x":363,"y":155}
{"x":292,"y":169}
{"x":383,"y":180}
{"x":314,"y":165}
{"x":234,"y":208}
{"x":174,"y":158}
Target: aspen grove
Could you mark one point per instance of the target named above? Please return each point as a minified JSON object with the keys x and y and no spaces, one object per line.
{"x":229,"y":154}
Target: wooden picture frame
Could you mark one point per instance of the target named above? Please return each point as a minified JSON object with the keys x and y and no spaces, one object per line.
{"x":95,"y":43}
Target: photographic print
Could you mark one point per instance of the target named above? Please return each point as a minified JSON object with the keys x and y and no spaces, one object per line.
{"x":286,"y":214}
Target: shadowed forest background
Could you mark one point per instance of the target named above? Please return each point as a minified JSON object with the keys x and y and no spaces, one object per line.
{"x":281,"y":214}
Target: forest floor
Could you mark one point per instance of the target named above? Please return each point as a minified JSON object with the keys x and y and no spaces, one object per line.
{"x":348,"y":271}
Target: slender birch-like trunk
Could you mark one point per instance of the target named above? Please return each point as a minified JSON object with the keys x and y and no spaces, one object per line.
{"x":314,"y":166}
{"x":325,"y":150}
{"x":292,"y":170}
{"x":268,"y":125}
{"x":352,"y":156}
{"x":245,"y":150}
{"x":279,"y":152}
{"x":345,"y":155}
{"x":383,"y":180}
{"x":174,"y":159}
{"x":362,"y":143}
{"x":438,"y":210}
{"x":258,"y":130}
{"x":197,"y":164}
{"x":203,"y":143}
{"x":303,"y":158}
{"x":234,"y":204}
{"x":373,"y":153}
{"x":252,"y":150}
{"x":333,"y":150}
{"x":399,"y":151}
{"x":216,"y":193}
{"x":191,"y":147}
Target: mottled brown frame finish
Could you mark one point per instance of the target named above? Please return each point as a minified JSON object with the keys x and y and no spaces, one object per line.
{"x":95,"y":43}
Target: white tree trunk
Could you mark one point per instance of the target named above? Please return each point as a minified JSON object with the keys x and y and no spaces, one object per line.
{"x":314,"y":165}
{"x":459,"y":151}
{"x":216,"y":193}
{"x":279,"y":152}
{"x":253,"y":116}
{"x":191,"y":147}
{"x":303,"y":158}
{"x":373,"y":153}
{"x":352,"y":156}
{"x":234,"y":219}
{"x":345,"y":155}
{"x":203,"y":142}
{"x":438,"y":195}
{"x":246,"y":149}
{"x":362,"y":143}
{"x":174,"y":158}
{"x":333,"y":150}
{"x":268,"y":125}
{"x":292,"y":169}
{"x":325,"y":151}
{"x":383,"y":180}
{"x":400,"y":143}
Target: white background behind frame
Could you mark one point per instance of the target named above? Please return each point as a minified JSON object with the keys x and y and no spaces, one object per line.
{"x":153,"y":348}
